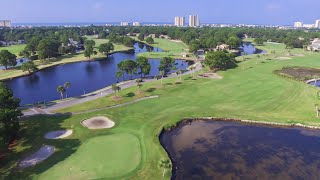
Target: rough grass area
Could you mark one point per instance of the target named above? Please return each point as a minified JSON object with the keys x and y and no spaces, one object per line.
{"x":299,"y":73}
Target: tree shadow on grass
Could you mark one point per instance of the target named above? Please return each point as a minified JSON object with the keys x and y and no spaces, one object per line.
{"x":32,"y":139}
{"x":130,"y":94}
{"x":150,"y":90}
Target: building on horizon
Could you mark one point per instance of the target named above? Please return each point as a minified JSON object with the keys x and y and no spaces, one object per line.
{"x":298,"y":24}
{"x":194,"y":21}
{"x":317,"y":25}
{"x":136,"y":24}
{"x":5,"y":23}
{"x":124,"y":24}
{"x":179,"y":21}
{"x":309,"y":26}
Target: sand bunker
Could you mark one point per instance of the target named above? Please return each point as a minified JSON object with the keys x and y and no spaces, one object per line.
{"x":58,"y":134}
{"x":210,"y":75}
{"x":283,"y":58}
{"x":42,"y":154}
{"x":98,"y":123}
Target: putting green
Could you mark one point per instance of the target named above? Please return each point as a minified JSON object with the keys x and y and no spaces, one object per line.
{"x":100,"y":157}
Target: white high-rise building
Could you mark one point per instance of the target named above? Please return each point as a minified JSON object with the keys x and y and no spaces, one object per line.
{"x":194,"y":21}
{"x":179,"y":21}
{"x":136,"y":24}
{"x":298,"y":24}
{"x":318,"y":23}
{"x":125,"y":24}
{"x":5,"y":23}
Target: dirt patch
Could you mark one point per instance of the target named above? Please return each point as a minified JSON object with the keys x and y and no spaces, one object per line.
{"x":210,"y":76}
{"x":98,"y":123}
{"x":42,"y":154}
{"x":177,"y":41}
{"x":299,"y":73}
{"x":58,"y":134}
{"x":283,"y":58}
{"x":298,"y":55}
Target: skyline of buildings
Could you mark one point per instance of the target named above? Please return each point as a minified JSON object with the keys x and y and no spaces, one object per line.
{"x":5,"y":23}
{"x":300,"y":24}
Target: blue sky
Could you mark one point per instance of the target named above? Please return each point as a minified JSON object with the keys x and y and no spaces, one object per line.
{"x":210,"y":11}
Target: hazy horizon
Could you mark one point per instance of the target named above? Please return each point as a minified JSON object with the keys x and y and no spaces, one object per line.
{"x":272,"y":12}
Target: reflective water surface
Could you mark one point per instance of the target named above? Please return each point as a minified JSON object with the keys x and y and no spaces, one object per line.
{"x":230,"y":150}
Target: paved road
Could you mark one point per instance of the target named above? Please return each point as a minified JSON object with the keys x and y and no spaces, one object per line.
{"x":85,"y":98}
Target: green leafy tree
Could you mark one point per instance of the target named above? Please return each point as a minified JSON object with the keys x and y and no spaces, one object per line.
{"x":166,"y":64}
{"x":234,"y":42}
{"x":143,"y":65}
{"x":141,"y":37}
{"x":162,"y":74}
{"x":7,"y":59}
{"x":150,"y":40}
{"x":29,"y":66}
{"x":119,"y":74}
{"x":47,"y":48}
{"x":102,"y":35}
{"x":25,"y":53}
{"x":129,"y":66}
{"x":9,"y":114}
{"x":258,"y":41}
{"x":219,"y":60}
{"x":106,"y":48}
{"x":89,"y":48}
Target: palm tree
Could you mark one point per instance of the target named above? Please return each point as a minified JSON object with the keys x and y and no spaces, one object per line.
{"x":61,"y":90}
{"x":162,"y":73}
{"x":116,"y":88}
{"x":67,"y":85}
{"x":165,"y":164}
{"x":139,"y":81}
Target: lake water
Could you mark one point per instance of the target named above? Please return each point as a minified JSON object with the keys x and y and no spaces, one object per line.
{"x":230,"y":150}
{"x":249,"y":49}
{"x":85,"y":77}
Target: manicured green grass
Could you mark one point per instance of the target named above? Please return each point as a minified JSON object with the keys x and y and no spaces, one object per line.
{"x":14,"y":49}
{"x":250,"y":91}
{"x":117,"y":47}
{"x":170,"y":48}
{"x":100,"y":157}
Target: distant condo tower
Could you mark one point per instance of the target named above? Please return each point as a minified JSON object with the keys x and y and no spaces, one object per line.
{"x":5,"y":23}
{"x":318,"y":23}
{"x":298,"y":24}
{"x":125,"y":24}
{"x":136,"y":24}
{"x":194,"y":21}
{"x":179,"y":21}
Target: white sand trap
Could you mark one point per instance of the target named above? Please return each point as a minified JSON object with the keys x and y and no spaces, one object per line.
{"x":210,"y":75}
{"x":58,"y":134}
{"x":98,"y":123}
{"x":283,"y":58}
{"x":42,"y":154}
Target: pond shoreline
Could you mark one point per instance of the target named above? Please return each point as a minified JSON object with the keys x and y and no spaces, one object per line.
{"x":63,"y":63}
{"x":188,"y":121}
